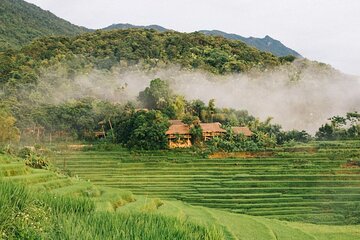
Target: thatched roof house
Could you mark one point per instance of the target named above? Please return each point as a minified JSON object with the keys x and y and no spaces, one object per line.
{"x":212,"y":127}
{"x":242,"y":130}
{"x":211,"y":130}
{"x":179,"y":129}
{"x":178,"y":134}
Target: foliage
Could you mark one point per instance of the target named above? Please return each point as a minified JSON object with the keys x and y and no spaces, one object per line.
{"x":25,"y":215}
{"x":20,"y":71}
{"x":8,"y":131}
{"x":159,"y":96}
{"x":37,"y":161}
{"x":196,"y":132}
{"x":266,"y":44}
{"x":233,"y":143}
{"x":293,"y":135}
{"x":21,"y":22}
{"x":149,"y":48}
{"x":142,"y":129}
{"x":33,"y":159}
{"x":74,"y":118}
{"x":347,"y":127}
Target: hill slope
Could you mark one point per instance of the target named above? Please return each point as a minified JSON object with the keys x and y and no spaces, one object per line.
{"x":266,"y":44}
{"x":111,"y":200}
{"x":21,"y":22}
{"x":104,"y":49}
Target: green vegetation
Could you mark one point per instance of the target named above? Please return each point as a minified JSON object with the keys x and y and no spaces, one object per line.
{"x":24,"y":215}
{"x":77,"y":209}
{"x":22,"y":22}
{"x":314,"y":183}
{"x":80,"y":210}
{"x":273,"y":176}
{"x":142,"y":130}
{"x":105,"y":49}
{"x":9,"y":132}
{"x":266,"y":44}
{"x":145,"y":129}
{"x":28,"y":99}
{"x":341,"y":128}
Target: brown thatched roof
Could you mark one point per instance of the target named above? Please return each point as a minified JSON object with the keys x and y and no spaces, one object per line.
{"x":242,"y":130}
{"x":212,"y":127}
{"x":176,"y":122}
{"x":181,"y":129}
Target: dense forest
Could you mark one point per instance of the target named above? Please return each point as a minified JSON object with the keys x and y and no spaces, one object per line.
{"x":22,"y":22}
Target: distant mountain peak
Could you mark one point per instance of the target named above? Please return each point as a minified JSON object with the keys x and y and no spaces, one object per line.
{"x":267,"y":37}
{"x":266,"y":44}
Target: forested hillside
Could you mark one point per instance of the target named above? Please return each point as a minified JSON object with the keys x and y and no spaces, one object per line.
{"x":21,"y":22}
{"x":103,"y":50}
{"x":266,"y":44}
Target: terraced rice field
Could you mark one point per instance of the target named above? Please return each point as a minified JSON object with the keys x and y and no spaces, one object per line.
{"x":37,"y":179}
{"x":311,"y":184}
{"x":14,"y":170}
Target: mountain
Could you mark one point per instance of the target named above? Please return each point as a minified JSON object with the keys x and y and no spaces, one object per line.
{"x":266,"y":44}
{"x":127,"y":26}
{"x":21,"y":22}
{"x":145,"y":47}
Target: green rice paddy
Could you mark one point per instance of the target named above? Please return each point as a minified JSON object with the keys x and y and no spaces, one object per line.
{"x":186,"y":196}
{"x":310,"y":184}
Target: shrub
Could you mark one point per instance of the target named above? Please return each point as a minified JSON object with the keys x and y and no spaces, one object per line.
{"x":36,"y":161}
{"x":32,"y":159}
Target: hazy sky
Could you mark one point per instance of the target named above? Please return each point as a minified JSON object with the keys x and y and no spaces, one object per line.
{"x":324,"y":30}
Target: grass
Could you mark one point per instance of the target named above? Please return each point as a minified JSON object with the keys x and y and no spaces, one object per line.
{"x":311,"y":177}
{"x":24,"y":215}
{"x":170,"y":192}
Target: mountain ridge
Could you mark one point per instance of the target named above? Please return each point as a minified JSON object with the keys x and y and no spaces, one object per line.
{"x":22,"y":22}
{"x":266,"y":44}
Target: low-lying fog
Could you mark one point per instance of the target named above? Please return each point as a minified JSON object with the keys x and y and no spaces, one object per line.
{"x":295,"y":100}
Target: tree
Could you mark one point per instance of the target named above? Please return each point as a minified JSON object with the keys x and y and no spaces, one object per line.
{"x":179,"y":105}
{"x":211,"y":110}
{"x":157,"y":95}
{"x":196,"y":132}
{"x":337,"y":122}
{"x":142,"y":130}
{"x":340,"y":127}
{"x":8,"y":131}
{"x":196,"y":108}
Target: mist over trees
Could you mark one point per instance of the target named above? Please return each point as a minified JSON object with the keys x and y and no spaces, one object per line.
{"x":32,"y":77}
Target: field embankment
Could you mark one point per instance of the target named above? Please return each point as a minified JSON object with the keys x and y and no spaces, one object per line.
{"x":311,"y":186}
